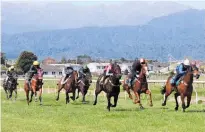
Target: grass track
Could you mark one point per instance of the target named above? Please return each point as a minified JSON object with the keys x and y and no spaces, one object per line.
{"x":77,"y":117}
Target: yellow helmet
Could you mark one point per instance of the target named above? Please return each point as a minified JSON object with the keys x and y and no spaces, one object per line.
{"x":11,"y":68}
{"x":35,"y":63}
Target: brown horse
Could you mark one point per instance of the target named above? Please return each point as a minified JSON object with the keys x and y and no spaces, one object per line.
{"x":111,"y":87}
{"x":183,"y":89}
{"x":83,"y":85}
{"x":140,"y":86}
{"x":69,"y":85}
{"x":36,"y":85}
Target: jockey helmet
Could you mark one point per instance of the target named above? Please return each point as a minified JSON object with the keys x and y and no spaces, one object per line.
{"x":186,"y":62}
{"x":35,"y":63}
{"x":142,"y":61}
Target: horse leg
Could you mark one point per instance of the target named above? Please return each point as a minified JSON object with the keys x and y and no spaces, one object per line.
{"x":27,"y":96}
{"x":97,"y":91}
{"x":84,"y":93}
{"x":60,"y":88}
{"x":166,"y":91}
{"x":177,"y":105}
{"x":183,"y":102}
{"x":78,"y":94}
{"x":141,"y":107}
{"x":15,"y":93}
{"x":67,"y":97}
{"x":166,"y":94}
{"x":150,"y":97}
{"x":108,"y":102}
{"x":31,"y":96}
{"x":10,"y":93}
{"x":35,"y":96}
{"x":188,"y":101}
{"x":136,"y":97}
{"x":40,"y":96}
{"x":128,"y":91}
{"x":115,"y":100}
{"x":7,"y":96}
{"x":73,"y":97}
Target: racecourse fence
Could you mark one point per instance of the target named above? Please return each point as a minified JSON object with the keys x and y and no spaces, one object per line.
{"x":51,"y":89}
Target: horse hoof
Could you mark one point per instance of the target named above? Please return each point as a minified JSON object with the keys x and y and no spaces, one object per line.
{"x":183,"y":110}
{"x":176,"y":108}
{"x":94,"y":103}
{"x":141,"y":107}
{"x":108,"y":108}
{"x":151,"y":105}
{"x":163,"y":104}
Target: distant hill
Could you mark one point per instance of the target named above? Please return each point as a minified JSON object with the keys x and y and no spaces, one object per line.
{"x":30,"y":16}
{"x":180,"y":34}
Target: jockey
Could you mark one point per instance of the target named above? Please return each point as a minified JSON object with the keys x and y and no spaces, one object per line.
{"x":83,"y":71}
{"x":107,"y":72}
{"x":136,"y":69}
{"x":33,"y":70}
{"x":180,"y":71}
{"x":9,"y":73}
{"x":68,"y":71}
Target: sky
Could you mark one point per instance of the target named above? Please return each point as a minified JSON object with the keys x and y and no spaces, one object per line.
{"x":193,"y":4}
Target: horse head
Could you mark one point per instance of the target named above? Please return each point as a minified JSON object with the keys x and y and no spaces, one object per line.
{"x":115,"y":79}
{"x":144,"y":71}
{"x":195,"y":71}
{"x":39,"y":77}
{"x":117,"y":72}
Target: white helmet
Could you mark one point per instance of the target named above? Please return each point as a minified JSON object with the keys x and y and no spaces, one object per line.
{"x":186,"y":62}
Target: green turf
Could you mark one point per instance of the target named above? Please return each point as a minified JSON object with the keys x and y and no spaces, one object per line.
{"x":54,"y":116}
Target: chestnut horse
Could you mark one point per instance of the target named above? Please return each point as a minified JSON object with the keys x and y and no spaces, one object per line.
{"x":83,"y":85}
{"x":111,"y":87}
{"x":140,"y":86}
{"x":69,"y":85}
{"x":36,"y":85}
{"x":183,"y":89}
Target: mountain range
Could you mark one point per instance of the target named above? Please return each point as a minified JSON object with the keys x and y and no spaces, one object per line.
{"x":180,"y":34}
{"x":31,"y":16}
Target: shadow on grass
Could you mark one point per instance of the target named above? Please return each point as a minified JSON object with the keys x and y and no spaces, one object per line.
{"x":129,"y":109}
{"x":195,"y":111}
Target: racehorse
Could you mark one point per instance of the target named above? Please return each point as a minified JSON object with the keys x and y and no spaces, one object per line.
{"x":36,"y":85}
{"x":69,"y":86}
{"x":183,"y":88}
{"x":140,"y":86}
{"x":11,"y":86}
{"x":111,"y":87}
{"x":83,"y":85}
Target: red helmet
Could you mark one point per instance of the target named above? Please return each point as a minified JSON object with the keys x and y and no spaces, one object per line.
{"x":142,"y":61}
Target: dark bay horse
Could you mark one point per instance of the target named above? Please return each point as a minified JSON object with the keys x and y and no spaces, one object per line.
{"x":83,"y":85}
{"x":36,"y":85}
{"x":183,"y":89}
{"x":11,"y":86}
{"x":69,"y":85}
{"x":140,"y":86}
{"x":111,"y":87}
